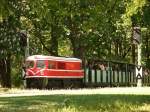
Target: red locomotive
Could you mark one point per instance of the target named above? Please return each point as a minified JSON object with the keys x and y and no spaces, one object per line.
{"x":46,"y":71}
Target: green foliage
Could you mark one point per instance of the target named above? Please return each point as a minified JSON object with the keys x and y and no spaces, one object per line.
{"x":64,"y":48}
{"x":9,"y":37}
{"x":132,"y":8}
{"x":97,"y":27}
{"x":16,"y":71}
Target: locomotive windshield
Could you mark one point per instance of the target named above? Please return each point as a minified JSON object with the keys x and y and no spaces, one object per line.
{"x":30,"y":64}
{"x":40,"y":64}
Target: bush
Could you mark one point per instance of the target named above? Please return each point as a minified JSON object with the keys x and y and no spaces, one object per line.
{"x":16,"y":77}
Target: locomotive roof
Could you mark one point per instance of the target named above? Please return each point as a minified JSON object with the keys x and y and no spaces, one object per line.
{"x":43,"y":57}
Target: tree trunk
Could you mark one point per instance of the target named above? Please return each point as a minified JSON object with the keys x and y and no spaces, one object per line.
{"x":54,"y":41}
{"x":147,"y":47}
{"x":5,"y":71}
{"x":116,"y":49}
{"x":75,"y":38}
{"x":120,"y":49}
{"x":78,"y":49}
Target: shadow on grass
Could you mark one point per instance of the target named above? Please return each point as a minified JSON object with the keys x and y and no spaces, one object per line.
{"x":77,"y":103}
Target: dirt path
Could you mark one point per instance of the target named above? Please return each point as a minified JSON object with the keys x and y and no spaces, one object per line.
{"x":34,"y":92}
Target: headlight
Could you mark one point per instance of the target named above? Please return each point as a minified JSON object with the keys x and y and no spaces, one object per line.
{"x":42,"y":72}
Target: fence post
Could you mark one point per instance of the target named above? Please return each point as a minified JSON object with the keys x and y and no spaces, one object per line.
{"x":126,"y":72}
{"x":110,"y":73}
{"x":95,"y":76}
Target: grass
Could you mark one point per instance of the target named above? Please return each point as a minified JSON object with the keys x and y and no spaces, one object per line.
{"x":76,"y":103}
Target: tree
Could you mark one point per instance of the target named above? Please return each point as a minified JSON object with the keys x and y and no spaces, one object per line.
{"x":9,"y":39}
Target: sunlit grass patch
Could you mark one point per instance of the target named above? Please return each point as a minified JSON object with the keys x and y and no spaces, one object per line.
{"x":76,"y":103}
{"x":143,"y":108}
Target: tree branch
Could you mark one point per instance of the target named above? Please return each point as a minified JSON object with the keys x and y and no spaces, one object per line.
{"x":39,"y":37}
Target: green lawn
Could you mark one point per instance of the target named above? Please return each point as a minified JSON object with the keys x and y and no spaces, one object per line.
{"x":76,"y":103}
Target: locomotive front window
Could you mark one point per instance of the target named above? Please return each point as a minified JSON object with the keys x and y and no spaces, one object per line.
{"x":40,"y":64}
{"x":30,"y":64}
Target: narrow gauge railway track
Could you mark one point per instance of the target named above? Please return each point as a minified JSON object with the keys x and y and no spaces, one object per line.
{"x":84,"y":91}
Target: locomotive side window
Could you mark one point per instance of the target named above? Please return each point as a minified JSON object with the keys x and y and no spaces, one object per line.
{"x":40,"y":64}
{"x":61,"y":65}
{"x":51,"y":65}
{"x":30,"y":64}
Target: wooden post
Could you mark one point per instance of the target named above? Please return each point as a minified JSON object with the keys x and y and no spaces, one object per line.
{"x":138,"y":41}
{"x":26,"y":55}
{"x":139,"y":77}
